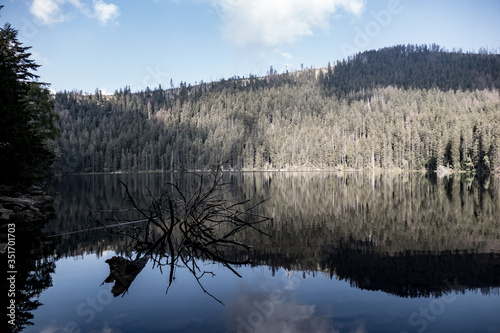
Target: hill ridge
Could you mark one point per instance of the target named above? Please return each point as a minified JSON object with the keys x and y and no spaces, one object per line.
{"x":353,"y":115}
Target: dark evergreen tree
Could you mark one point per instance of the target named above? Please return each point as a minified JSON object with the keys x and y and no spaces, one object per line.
{"x":27,"y":121}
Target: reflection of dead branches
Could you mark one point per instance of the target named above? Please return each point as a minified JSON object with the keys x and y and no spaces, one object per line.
{"x":198,"y":225}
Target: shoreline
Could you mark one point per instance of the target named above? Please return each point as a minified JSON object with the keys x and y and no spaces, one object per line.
{"x":28,"y":209}
{"x":439,"y":172}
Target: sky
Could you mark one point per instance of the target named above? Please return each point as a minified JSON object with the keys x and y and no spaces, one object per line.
{"x":86,"y":45}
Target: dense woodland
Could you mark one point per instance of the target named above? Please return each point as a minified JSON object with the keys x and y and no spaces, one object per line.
{"x":408,"y":107}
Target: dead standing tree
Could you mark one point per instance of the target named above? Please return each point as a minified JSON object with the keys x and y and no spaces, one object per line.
{"x":179,"y":228}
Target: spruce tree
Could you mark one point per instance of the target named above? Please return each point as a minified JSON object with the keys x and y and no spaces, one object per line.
{"x":27,"y":117}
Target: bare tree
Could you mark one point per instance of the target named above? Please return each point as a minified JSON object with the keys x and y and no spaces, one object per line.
{"x":180,"y":228}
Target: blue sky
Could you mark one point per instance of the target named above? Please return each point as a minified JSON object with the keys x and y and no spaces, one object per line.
{"x":110,"y":44}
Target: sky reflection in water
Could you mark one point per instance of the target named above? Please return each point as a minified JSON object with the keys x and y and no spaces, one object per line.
{"x":318,"y":273}
{"x":286,"y":301}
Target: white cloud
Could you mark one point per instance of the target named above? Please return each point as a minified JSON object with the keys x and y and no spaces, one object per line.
{"x":105,"y":12}
{"x":50,"y":12}
{"x":271,"y":23}
{"x":47,"y":11}
{"x":79,"y":5}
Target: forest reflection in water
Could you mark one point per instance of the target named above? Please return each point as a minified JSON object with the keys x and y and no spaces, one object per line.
{"x":409,"y":235}
{"x":406,"y":234}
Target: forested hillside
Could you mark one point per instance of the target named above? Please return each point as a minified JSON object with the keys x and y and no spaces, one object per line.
{"x":411,"y":66}
{"x":409,"y":107}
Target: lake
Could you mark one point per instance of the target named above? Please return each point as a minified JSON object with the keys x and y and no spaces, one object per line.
{"x":346,"y":252}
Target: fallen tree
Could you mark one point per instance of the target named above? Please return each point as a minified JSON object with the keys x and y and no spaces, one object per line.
{"x":180,"y":228}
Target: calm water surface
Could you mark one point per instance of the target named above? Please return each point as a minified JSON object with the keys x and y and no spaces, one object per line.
{"x":347,"y":253}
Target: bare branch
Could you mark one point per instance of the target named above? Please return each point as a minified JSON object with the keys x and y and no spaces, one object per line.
{"x":182,"y":227}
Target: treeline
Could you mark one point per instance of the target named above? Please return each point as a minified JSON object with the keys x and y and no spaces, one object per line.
{"x":334,"y":118}
{"x":413,"y":67}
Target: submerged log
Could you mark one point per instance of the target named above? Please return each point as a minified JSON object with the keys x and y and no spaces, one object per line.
{"x":123,"y":272}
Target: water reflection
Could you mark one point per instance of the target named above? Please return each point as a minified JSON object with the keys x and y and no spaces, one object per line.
{"x":181,"y":226}
{"x":405,"y":234}
{"x":33,"y":268}
{"x":274,"y":310}
{"x":425,"y":240}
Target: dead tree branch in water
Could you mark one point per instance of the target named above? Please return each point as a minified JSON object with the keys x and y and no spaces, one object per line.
{"x":182,"y":227}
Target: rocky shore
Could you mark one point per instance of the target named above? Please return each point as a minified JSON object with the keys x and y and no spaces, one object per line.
{"x":27,"y":209}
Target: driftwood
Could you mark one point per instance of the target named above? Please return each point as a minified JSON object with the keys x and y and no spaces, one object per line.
{"x":123,"y":272}
{"x":180,"y":228}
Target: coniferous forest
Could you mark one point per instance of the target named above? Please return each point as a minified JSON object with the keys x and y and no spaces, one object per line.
{"x":408,"y":107}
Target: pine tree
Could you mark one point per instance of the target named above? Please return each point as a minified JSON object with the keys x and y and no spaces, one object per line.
{"x":27,"y":117}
